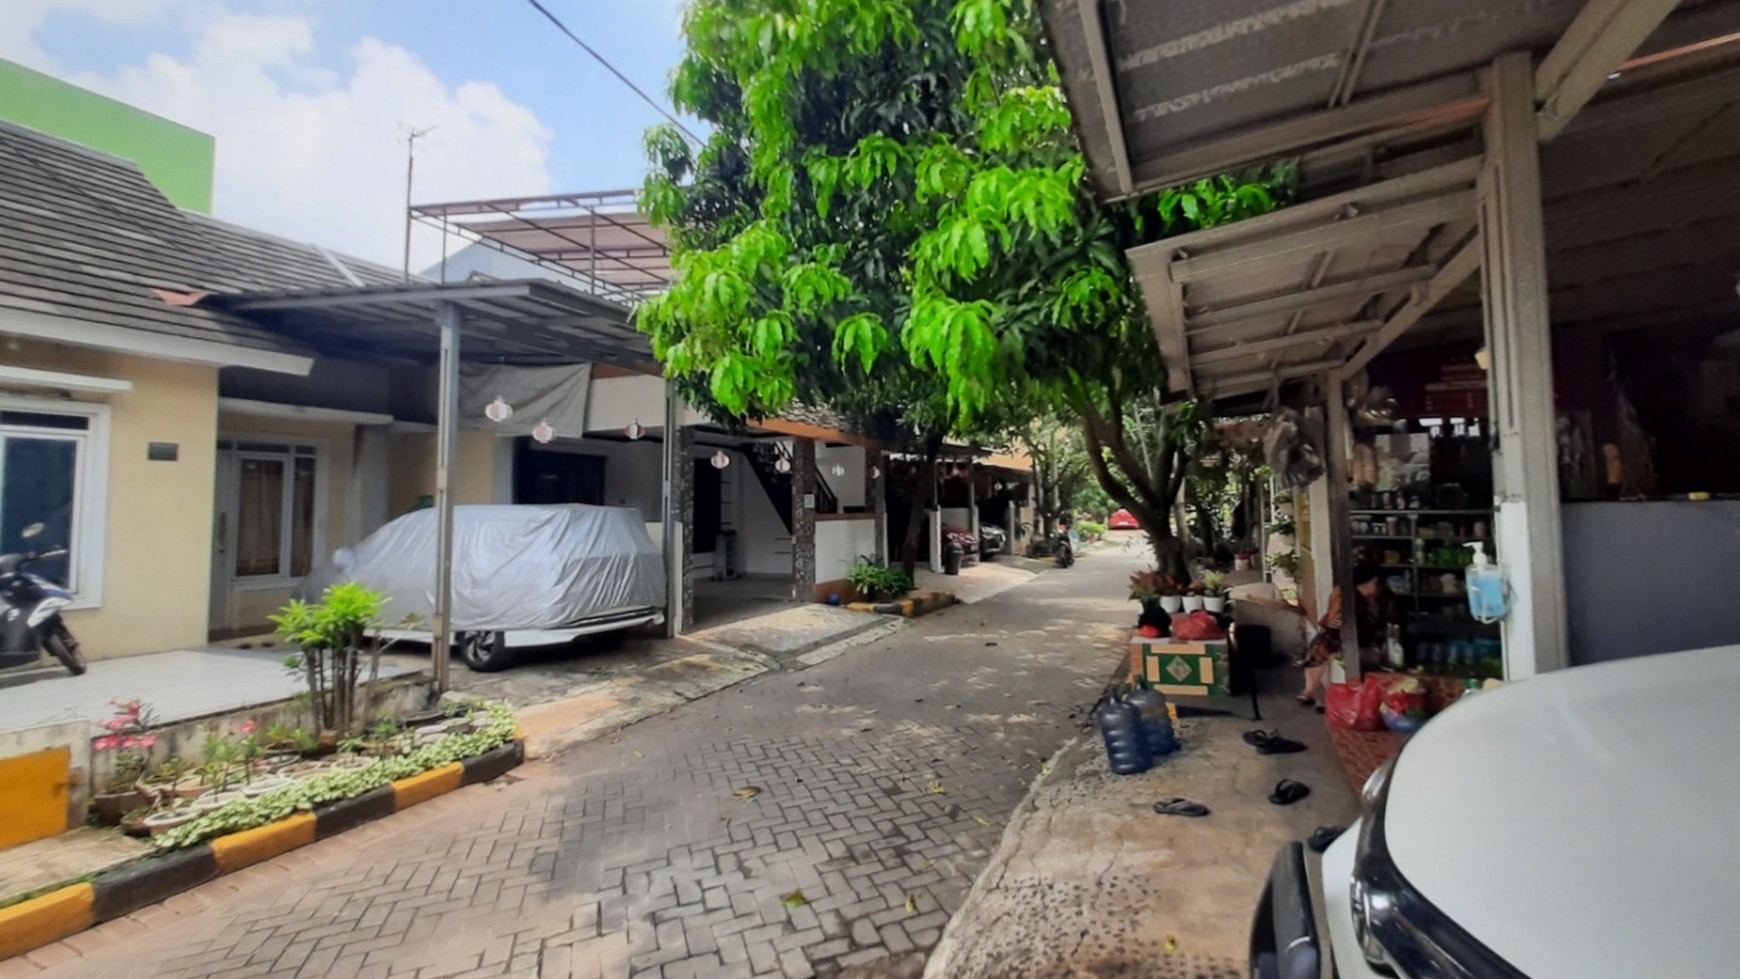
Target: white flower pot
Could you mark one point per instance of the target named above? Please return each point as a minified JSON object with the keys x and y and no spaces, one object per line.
{"x":1193,"y":603}
{"x":1241,"y":564}
{"x":1171,"y":604}
{"x":1214,"y":603}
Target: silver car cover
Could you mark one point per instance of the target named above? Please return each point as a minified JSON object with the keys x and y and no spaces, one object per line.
{"x":514,"y":567}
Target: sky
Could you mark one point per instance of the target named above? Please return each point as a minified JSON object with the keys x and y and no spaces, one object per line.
{"x":308,"y":98}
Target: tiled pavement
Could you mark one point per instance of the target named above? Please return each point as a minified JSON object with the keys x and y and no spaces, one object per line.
{"x":824,"y":821}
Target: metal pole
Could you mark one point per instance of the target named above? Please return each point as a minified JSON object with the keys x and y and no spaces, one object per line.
{"x":1340,"y":519}
{"x":412,"y":134}
{"x":673,"y":515}
{"x":447,"y":317}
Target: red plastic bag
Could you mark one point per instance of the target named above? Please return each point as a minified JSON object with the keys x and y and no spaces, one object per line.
{"x":1355,"y":705}
{"x":1197,"y":627}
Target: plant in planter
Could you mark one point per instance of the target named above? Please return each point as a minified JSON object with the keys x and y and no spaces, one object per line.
{"x":129,"y":740}
{"x":1286,"y":562}
{"x":385,"y":737}
{"x":218,"y":762}
{"x":1156,"y":591}
{"x":334,"y":637}
{"x":173,"y":779}
{"x":1193,"y":596}
{"x":1214,"y":591}
{"x":877,"y":583}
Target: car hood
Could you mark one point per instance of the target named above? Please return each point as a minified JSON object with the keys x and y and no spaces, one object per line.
{"x":1583,"y":823}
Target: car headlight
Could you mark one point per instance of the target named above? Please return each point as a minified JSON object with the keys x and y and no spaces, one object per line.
{"x":1397,"y":928}
{"x":1377,"y":784}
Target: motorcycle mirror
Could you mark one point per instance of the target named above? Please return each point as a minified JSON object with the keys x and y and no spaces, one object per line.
{"x":33,"y":530}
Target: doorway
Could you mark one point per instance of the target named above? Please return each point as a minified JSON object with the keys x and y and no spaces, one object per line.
{"x":269,"y":524}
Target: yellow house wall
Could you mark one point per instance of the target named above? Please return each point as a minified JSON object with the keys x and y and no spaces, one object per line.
{"x":413,"y":469}
{"x":157,"y":546}
{"x":250,"y":606}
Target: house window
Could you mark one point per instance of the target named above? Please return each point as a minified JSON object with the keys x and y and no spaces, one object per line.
{"x":276,"y":494}
{"x":46,"y":462}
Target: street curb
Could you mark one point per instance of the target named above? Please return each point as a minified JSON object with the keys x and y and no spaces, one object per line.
{"x":918,"y":605}
{"x":149,"y":880}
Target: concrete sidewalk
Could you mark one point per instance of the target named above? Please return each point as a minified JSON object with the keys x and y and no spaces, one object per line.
{"x":1089,"y":881}
{"x":178,"y":685}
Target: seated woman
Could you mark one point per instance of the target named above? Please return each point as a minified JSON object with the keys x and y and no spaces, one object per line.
{"x":1374,"y":612}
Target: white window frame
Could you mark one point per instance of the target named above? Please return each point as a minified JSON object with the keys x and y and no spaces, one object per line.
{"x":90,"y":488}
{"x":317,"y":530}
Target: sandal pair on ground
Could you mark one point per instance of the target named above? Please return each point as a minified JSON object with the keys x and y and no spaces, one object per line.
{"x":1286,"y":793}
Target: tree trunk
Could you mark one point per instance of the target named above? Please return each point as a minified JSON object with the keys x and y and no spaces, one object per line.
{"x":918,"y":515}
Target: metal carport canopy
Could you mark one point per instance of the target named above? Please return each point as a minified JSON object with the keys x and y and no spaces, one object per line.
{"x":1166,"y":92}
{"x":523,"y":321}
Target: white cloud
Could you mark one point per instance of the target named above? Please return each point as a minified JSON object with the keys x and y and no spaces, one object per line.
{"x":309,"y":152}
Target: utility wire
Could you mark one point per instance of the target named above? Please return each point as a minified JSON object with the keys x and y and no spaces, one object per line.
{"x":649,"y":100}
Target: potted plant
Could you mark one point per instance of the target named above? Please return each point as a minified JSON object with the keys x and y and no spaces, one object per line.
{"x":1152,"y":587}
{"x":1193,"y":597}
{"x":174,"y":778}
{"x":876,"y":583}
{"x":1214,"y":591}
{"x":128,"y":739}
{"x":1243,"y":561}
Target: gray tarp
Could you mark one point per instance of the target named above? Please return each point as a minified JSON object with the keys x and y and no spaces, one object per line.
{"x":514,"y":567}
{"x":553,"y":394}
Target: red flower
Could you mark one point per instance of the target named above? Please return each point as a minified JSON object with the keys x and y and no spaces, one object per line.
{"x":247,"y":727}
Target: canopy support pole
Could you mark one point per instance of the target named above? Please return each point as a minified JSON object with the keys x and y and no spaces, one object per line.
{"x":1519,"y":339}
{"x":1335,"y":446}
{"x":447,"y":317}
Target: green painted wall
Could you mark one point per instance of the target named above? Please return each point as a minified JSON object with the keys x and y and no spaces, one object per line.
{"x":177,"y":159}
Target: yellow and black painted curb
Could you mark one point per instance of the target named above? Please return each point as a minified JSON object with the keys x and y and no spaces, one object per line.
{"x":69,"y":910}
{"x":913,"y":607}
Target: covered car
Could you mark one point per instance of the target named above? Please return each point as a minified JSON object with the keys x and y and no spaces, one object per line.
{"x":522,"y":574}
{"x":1122,"y":520}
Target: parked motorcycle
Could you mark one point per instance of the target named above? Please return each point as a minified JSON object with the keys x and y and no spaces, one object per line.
{"x":32,"y":607}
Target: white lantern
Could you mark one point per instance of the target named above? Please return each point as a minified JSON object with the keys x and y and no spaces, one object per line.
{"x":543,"y":433}
{"x":782,"y":465}
{"x":720,"y":459}
{"x":999,"y":485}
{"x":634,"y":430}
{"x":838,"y":470}
{"x":875,"y":472}
{"x":498,"y":411}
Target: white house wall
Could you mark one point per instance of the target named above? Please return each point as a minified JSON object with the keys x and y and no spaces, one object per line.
{"x":848,"y":487}
{"x":840,"y":542}
{"x":613,"y":403}
{"x":763,"y":542}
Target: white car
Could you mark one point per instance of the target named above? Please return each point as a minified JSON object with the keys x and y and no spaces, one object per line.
{"x":523,"y":575}
{"x":1583,"y":824}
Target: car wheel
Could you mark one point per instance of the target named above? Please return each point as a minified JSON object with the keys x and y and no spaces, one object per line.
{"x":485,"y":652}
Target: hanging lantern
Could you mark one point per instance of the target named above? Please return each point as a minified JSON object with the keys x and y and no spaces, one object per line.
{"x":838,"y":470}
{"x":875,"y":472}
{"x":782,"y":465}
{"x":634,"y":430}
{"x":999,"y":485}
{"x":543,"y":433}
{"x":498,"y":411}
{"x":720,"y":459}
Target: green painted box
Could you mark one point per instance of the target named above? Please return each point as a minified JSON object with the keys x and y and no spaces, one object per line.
{"x":1183,"y":668}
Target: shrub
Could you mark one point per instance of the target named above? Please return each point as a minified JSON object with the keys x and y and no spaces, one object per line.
{"x":878,"y":583}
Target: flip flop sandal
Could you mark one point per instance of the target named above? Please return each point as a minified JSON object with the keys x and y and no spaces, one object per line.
{"x":1257,"y":739}
{"x":1271,"y":743}
{"x":1288,"y":792}
{"x":1324,"y":837}
{"x":1180,"y":807}
{"x":1306,"y":701}
{"x":1278,"y":745}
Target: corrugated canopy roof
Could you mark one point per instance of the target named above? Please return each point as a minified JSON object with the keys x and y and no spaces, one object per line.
{"x":1640,"y":204}
{"x":1167,"y":92}
{"x":599,"y":239}
{"x":528,"y":321}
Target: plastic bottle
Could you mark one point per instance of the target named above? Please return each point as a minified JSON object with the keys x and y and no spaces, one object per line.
{"x":1121,"y":726}
{"x":1486,"y":591}
{"x":1157,"y":731}
{"x":1393,"y":650}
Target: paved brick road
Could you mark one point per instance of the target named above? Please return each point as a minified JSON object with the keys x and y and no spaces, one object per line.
{"x":884,"y":778}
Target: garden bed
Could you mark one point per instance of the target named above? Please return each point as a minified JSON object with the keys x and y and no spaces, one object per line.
{"x":249,"y":830}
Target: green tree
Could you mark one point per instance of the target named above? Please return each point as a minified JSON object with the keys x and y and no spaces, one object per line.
{"x":891,"y":201}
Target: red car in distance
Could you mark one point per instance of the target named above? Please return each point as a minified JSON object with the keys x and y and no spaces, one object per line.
{"x":1122,"y":520}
